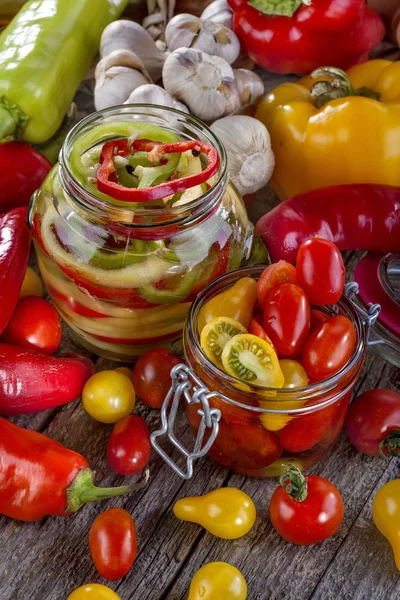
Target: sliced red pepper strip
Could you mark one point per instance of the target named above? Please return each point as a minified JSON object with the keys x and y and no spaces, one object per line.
{"x":107,"y":170}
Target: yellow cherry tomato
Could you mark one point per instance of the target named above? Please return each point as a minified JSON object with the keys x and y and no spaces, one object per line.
{"x":252,"y":360}
{"x":108,"y":396}
{"x":293,"y":373}
{"x":237,"y":303}
{"x":216,"y":334}
{"x":125,"y":371}
{"x":227,"y":513}
{"x":32,"y":284}
{"x":386,"y":515}
{"x":93,"y":591}
{"x":218,"y":581}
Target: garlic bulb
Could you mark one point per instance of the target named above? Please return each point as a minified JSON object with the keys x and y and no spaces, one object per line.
{"x":128,"y":35}
{"x":249,"y":85}
{"x":218,"y":11}
{"x":248,"y":148}
{"x":154,"y":94}
{"x":204,"y":83}
{"x":117,"y":75}
{"x":188,"y":31}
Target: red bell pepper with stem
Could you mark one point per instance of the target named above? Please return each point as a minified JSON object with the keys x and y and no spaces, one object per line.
{"x":298,"y":36}
{"x":40,"y":477}
{"x":354,"y":217}
{"x":15,"y":243}
{"x":31,"y":381}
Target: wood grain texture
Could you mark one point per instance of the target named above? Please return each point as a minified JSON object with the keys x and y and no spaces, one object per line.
{"x":49,"y":559}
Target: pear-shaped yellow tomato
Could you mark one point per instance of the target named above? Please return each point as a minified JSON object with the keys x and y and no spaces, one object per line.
{"x":32,"y":284}
{"x":218,"y":581}
{"x":93,"y":591}
{"x":237,"y":303}
{"x":386,"y":515}
{"x":227,"y":513}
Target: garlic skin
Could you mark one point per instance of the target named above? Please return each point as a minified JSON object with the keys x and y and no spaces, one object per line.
{"x":247,"y":142}
{"x":218,"y":11}
{"x":188,"y":31}
{"x":154,"y":94}
{"x":128,"y":35}
{"x":204,"y":83}
{"x":249,"y":85}
{"x":117,"y":75}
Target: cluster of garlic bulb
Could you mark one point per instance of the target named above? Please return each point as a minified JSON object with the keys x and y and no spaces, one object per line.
{"x":194,"y":64}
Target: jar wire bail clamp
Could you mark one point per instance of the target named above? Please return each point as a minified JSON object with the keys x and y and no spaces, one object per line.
{"x":369,"y":316}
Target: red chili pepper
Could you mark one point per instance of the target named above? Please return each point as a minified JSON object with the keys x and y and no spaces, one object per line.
{"x":40,"y":477}
{"x":106,"y":174}
{"x":332,"y":32}
{"x":31,"y":381}
{"x":15,"y":243}
{"x":354,"y":217}
{"x":22,"y":171}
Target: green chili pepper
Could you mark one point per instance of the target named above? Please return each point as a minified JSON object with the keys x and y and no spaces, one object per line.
{"x":45,"y":52}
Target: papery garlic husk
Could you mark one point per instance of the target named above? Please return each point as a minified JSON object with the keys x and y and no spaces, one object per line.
{"x":247,"y":142}
{"x":117,"y":75}
{"x":154,"y":94}
{"x":249,"y":85}
{"x":204,"y":83}
{"x":188,"y":31}
{"x":128,"y":35}
{"x":218,"y":11}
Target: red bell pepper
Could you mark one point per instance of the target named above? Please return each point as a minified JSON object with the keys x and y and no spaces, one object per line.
{"x":22,"y":171}
{"x":297,"y":36}
{"x":40,"y":477}
{"x":354,"y":217}
{"x":31,"y":381}
{"x":15,"y":243}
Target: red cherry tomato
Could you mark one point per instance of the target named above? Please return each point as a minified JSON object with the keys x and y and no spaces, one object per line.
{"x":312,"y":518}
{"x":22,"y":172}
{"x":129,"y":447}
{"x":329,"y":347}
{"x":373,"y":422}
{"x":112,"y":543}
{"x":34,"y":324}
{"x":287,"y":319}
{"x":151,"y":376}
{"x":317,"y":318}
{"x":320,"y":271}
{"x":274,"y":275}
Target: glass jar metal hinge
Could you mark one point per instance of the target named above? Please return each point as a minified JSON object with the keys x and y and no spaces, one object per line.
{"x":369,"y":316}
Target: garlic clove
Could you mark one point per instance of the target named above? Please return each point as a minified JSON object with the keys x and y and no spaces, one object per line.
{"x":218,"y":11}
{"x":116,"y":85}
{"x":204,"y":83}
{"x":128,"y":35}
{"x":120,"y":58}
{"x":247,"y":143}
{"x":249,"y":85}
{"x":188,"y":31}
{"x":154,"y":94}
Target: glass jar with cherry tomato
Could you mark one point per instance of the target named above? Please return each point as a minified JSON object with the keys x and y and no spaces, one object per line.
{"x":135,"y":220}
{"x":255,"y":429}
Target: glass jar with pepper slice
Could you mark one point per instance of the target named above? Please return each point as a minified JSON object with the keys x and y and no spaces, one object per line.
{"x":256,"y":408}
{"x":134,"y":221}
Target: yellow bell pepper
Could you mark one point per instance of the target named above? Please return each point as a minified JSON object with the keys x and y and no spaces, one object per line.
{"x":352,"y":138}
{"x":386,"y":515}
{"x":218,"y":581}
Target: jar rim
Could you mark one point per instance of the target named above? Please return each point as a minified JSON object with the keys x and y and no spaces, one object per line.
{"x":173,"y":214}
{"x":309,"y":392}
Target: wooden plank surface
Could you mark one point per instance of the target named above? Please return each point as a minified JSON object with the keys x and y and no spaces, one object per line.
{"x":47,"y":560}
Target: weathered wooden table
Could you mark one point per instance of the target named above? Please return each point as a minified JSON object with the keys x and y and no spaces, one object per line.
{"x":49,"y":559}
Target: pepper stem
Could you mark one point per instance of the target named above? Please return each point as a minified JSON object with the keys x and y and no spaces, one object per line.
{"x":391,"y":444}
{"x":12,"y":120}
{"x":259,"y":254}
{"x":282,"y":8}
{"x":294,"y":482}
{"x":82,"y":490}
{"x":339,"y":86}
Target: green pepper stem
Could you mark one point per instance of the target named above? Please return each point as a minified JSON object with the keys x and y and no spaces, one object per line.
{"x":339,"y":86}
{"x":259,"y":254}
{"x":12,"y":120}
{"x":294,"y":482}
{"x":282,"y":8}
{"x":82,"y":490}
{"x":391,"y":444}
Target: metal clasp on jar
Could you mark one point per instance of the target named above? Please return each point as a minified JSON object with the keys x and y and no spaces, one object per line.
{"x":186,"y":385}
{"x":368,"y":317}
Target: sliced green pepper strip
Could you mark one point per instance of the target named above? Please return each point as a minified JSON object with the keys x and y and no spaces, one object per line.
{"x":160,"y":249}
{"x":150,"y":176}
{"x":117,"y":259}
{"x":159,"y":296}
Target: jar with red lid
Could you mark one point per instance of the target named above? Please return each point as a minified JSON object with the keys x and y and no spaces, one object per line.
{"x":253,"y":430}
